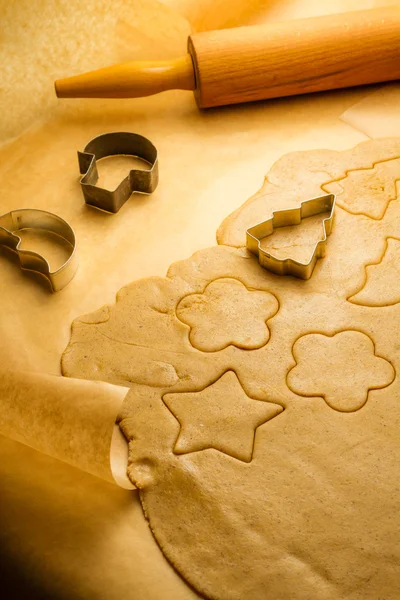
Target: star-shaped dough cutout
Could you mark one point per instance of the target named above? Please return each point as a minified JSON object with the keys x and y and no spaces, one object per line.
{"x":221,"y":416}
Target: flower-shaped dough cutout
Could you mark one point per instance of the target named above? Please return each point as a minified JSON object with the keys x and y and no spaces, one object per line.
{"x":341,"y":369}
{"x":227,"y":313}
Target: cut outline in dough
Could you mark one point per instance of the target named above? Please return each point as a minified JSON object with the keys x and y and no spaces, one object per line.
{"x":199,"y":391}
{"x":365,"y":281}
{"x":250,"y":290}
{"x":361,"y":213}
{"x":323,"y":396}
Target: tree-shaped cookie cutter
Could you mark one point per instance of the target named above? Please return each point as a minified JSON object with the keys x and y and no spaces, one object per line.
{"x":31,"y":218}
{"x":285,"y":218}
{"x":138,"y":180}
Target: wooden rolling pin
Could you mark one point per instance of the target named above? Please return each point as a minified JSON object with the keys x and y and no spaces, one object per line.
{"x":263,"y":61}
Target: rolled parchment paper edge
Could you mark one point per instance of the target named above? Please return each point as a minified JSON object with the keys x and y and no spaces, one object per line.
{"x":73,"y":420}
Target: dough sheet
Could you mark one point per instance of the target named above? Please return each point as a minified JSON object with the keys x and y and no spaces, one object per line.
{"x":264,"y":410}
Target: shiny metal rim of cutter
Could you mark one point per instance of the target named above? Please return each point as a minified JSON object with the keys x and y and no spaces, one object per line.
{"x":138,"y":180}
{"x":31,"y":218}
{"x":287,"y":217}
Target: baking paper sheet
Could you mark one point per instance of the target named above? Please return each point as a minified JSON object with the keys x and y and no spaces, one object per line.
{"x":378,"y":114}
{"x":64,"y":533}
{"x":68,"y":419}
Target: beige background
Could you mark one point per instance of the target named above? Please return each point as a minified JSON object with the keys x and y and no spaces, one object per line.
{"x":64,"y":533}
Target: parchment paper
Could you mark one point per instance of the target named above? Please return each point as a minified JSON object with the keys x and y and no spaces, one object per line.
{"x":65,"y":534}
{"x":378,"y":114}
{"x":72,"y":420}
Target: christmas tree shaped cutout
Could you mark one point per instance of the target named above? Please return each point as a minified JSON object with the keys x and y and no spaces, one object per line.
{"x":291,"y":241}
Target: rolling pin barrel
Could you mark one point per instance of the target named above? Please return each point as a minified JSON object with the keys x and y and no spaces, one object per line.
{"x":296,"y":57}
{"x":260,"y":62}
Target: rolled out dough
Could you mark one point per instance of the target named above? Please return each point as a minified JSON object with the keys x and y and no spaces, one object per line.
{"x":264,"y":413}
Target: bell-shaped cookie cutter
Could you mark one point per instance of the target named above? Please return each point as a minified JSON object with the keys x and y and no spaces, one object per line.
{"x":31,"y":218}
{"x":285,"y":218}
{"x":138,"y":180}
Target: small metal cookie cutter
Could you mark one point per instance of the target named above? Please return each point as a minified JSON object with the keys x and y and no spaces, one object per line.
{"x":138,"y":180}
{"x":31,"y":218}
{"x":284,"y":218}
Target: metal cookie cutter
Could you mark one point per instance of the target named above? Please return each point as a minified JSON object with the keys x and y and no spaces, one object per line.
{"x":138,"y":180}
{"x":31,"y":218}
{"x":284,"y":218}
